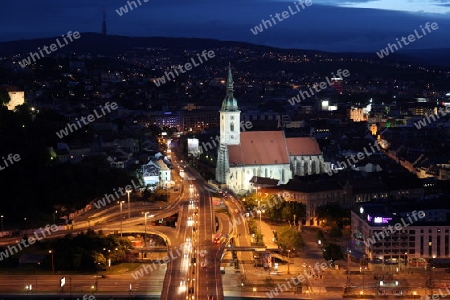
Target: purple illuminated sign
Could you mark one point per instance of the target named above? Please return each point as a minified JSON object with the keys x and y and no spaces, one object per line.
{"x":381,"y":220}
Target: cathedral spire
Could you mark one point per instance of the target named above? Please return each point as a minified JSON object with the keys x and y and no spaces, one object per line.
{"x":229,"y":103}
{"x":229,"y":83}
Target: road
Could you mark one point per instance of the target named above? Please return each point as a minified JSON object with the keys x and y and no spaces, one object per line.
{"x":81,"y":284}
{"x":198,"y":275}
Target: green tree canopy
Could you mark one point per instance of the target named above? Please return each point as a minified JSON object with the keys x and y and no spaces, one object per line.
{"x":275,"y":207}
{"x":289,"y":238}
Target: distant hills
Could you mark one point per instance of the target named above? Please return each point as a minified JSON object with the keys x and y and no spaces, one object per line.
{"x":95,"y":43}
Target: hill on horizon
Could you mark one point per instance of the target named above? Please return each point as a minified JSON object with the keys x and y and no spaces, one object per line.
{"x":96,"y":43}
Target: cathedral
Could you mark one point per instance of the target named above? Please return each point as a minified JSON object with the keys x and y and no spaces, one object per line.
{"x":269,"y":154}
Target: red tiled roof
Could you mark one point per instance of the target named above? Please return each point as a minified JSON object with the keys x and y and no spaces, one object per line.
{"x":270,"y":147}
{"x":259,"y":148}
{"x":303,"y":146}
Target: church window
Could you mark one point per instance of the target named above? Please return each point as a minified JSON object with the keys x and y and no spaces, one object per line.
{"x":232,"y":117}
{"x":232,"y":126}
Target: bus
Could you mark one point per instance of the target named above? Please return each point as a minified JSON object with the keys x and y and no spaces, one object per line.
{"x":217,"y":238}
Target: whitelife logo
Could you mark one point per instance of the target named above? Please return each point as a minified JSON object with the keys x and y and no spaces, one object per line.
{"x":323,"y":85}
{"x":359,"y":156}
{"x":284,"y":15}
{"x":320,"y":267}
{"x":11,"y":159}
{"x":427,"y":120}
{"x":87,"y":297}
{"x":31,"y":240}
{"x":110,"y":197}
{"x":86,"y":120}
{"x":378,"y":236}
{"x":53,"y":47}
{"x":124,"y":9}
{"x":147,"y":268}
{"x":204,"y":146}
{"x":391,"y":48}
{"x":187,"y":66}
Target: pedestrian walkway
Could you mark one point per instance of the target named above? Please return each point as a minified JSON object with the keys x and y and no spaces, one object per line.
{"x":267,"y":232}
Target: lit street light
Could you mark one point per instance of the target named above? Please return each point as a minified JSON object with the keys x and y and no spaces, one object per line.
{"x":54,"y":216}
{"x":145,"y":230}
{"x":128,"y":192}
{"x":1,"y":217}
{"x":289,"y":251}
{"x":121,"y":217}
{"x":53,"y":262}
{"x":260,"y":212}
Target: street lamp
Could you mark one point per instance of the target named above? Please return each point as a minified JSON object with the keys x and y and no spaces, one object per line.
{"x":361,"y":271}
{"x":53,"y":262}
{"x":289,"y":251}
{"x":121,"y":217}
{"x":406,"y":261}
{"x":128,"y":192}
{"x":145,"y":230}
{"x":54,"y":216}
{"x":1,"y":218}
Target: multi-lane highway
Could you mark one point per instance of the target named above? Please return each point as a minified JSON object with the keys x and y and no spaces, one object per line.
{"x":197,"y":274}
{"x":193,"y":259}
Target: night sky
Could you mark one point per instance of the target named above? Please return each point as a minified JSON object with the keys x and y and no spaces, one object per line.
{"x":329,"y":25}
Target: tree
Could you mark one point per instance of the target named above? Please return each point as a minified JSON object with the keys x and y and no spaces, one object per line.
{"x":252,"y":227}
{"x":289,"y":238}
{"x":275,"y":209}
{"x":286,"y":213}
{"x":332,"y":213}
{"x":4,"y":97}
{"x":332,"y":252}
{"x":335,"y":233}
{"x":250,"y":201}
{"x":259,"y":239}
{"x":160,"y":194}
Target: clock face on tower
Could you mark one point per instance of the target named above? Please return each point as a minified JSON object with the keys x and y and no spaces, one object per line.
{"x":231,"y":136}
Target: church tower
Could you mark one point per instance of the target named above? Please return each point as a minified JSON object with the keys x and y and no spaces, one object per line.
{"x":230,"y":116}
{"x":230,"y":131}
